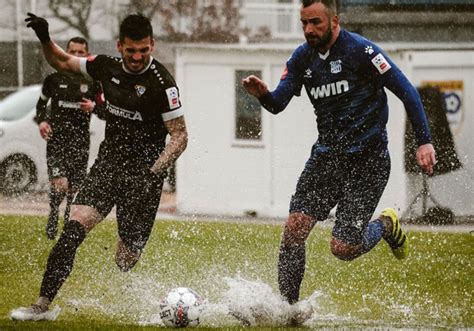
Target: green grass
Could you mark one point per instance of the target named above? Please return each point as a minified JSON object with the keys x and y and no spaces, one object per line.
{"x":433,"y":288}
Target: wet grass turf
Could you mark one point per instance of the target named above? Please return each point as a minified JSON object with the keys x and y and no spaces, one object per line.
{"x":433,"y":288}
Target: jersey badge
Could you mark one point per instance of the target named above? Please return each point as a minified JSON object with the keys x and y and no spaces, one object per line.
{"x":55,"y":172}
{"x":115,"y":80}
{"x":173,"y":99}
{"x":381,"y":63}
{"x":308,"y":73}
{"x":140,"y":89}
{"x":369,"y":50}
{"x":284,"y":74}
{"x":62,"y":85}
{"x":84,"y":88}
{"x":336,"y":66}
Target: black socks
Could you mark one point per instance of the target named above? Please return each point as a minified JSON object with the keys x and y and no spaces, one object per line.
{"x":61,"y":259}
{"x":69,"y":198}
{"x":55,"y":199}
{"x":291,"y":267}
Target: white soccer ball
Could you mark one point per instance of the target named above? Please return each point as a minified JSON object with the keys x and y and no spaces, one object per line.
{"x":181,"y":308}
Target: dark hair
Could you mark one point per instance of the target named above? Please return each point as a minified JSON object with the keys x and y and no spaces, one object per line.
{"x":135,"y":27}
{"x":78,"y":40}
{"x":329,"y":4}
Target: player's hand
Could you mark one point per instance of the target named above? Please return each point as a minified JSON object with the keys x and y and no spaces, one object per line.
{"x":39,"y":25}
{"x":152,"y":181}
{"x":45,"y":130}
{"x":426,"y":157}
{"x":87,"y":105}
{"x":255,"y":86}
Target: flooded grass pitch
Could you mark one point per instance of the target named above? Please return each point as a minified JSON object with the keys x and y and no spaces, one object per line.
{"x":233,"y":266}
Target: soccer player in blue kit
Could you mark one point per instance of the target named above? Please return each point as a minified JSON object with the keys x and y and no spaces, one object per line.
{"x":344,"y":76}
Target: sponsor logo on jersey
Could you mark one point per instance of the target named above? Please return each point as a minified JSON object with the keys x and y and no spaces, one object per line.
{"x":336,"y":66}
{"x":330,"y":89}
{"x":62,"y":85}
{"x":173,"y":99}
{"x":140,"y":89}
{"x":115,"y":80}
{"x":55,"y":172}
{"x":84,"y":88}
{"x":381,"y":63}
{"x":284,"y":74}
{"x":120,"y":112}
{"x":69,"y":104}
{"x":369,"y":49}
{"x":308,"y":73}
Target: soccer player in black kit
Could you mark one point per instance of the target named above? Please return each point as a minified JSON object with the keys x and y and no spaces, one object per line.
{"x":344,"y":76}
{"x":66,"y":131}
{"x":142,"y":108}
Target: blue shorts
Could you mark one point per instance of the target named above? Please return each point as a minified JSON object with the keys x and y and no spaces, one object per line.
{"x":352,"y":182}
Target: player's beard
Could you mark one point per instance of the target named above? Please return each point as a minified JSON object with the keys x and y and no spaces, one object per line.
{"x":320,"y":43}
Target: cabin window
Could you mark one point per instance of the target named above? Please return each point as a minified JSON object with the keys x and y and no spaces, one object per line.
{"x":248,"y":112}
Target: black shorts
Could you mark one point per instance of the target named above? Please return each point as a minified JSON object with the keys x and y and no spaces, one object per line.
{"x":353,"y":182}
{"x":135,"y":192}
{"x":68,"y":160}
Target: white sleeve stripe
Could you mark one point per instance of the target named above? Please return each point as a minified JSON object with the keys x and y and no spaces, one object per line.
{"x":171,"y":115}
{"x":83,"y":66}
{"x":44,"y":97}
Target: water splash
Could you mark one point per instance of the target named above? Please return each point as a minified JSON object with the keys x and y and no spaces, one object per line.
{"x":252,"y":303}
{"x":255,"y":302}
{"x":229,"y":302}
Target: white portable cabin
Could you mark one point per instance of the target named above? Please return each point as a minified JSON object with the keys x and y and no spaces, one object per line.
{"x":222,"y":173}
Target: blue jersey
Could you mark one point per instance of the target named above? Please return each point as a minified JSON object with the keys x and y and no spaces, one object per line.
{"x":346,"y":88}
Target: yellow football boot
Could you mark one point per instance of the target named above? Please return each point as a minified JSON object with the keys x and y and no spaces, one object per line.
{"x":397,"y":240}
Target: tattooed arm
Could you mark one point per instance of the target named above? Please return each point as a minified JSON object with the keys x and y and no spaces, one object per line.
{"x":174,"y":148}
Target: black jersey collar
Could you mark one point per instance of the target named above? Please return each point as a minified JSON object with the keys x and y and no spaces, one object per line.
{"x":140,"y":72}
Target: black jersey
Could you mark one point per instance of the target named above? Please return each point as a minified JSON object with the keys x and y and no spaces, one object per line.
{"x":65,"y":117}
{"x":136,"y":106}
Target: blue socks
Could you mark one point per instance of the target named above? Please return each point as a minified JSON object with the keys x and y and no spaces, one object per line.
{"x":372,"y":235}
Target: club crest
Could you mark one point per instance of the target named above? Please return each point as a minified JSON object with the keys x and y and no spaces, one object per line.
{"x":140,"y":89}
{"x":84,"y":88}
{"x":336,"y":66}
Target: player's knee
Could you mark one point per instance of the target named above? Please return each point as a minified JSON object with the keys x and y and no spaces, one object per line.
{"x":344,"y":251}
{"x":60,"y":184}
{"x":86,"y":215}
{"x":297,"y":228}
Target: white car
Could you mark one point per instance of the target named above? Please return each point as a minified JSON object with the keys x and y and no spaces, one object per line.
{"x":22,"y":150}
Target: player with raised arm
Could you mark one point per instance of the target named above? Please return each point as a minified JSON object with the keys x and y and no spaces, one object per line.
{"x":142,"y":108}
{"x":344,"y":76}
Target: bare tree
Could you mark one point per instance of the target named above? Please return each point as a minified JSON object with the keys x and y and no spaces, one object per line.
{"x":192,"y":20}
{"x":218,"y":22}
{"x":75,"y":13}
{"x":148,"y":8}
